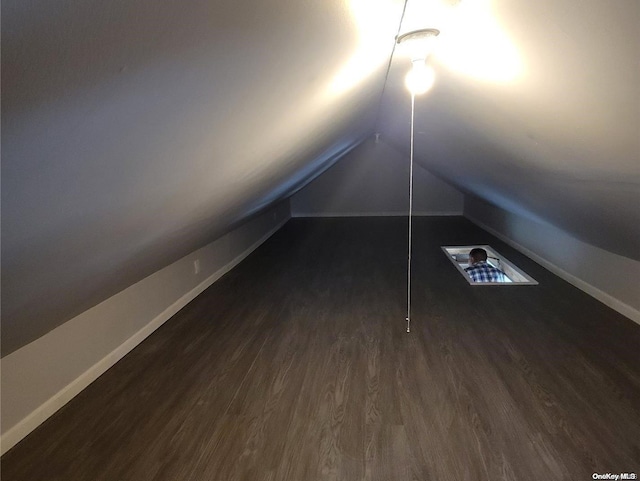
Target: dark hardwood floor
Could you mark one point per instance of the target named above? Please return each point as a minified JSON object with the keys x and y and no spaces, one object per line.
{"x":296,"y":366}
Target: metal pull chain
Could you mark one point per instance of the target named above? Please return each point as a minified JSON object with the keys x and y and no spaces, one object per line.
{"x":413,"y":98}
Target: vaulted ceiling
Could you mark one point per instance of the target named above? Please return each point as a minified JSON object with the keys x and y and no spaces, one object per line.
{"x":135,"y":132}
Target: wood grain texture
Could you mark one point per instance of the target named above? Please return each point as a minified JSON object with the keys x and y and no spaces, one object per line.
{"x":296,"y":366}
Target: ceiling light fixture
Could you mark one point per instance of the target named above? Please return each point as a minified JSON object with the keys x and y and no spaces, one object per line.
{"x":418,"y":44}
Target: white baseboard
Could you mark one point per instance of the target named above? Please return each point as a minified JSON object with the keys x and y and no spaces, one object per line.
{"x":615,"y":304}
{"x":62,"y":397}
{"x":374,"y":214}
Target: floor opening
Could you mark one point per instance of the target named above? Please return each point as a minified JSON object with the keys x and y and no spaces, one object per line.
{"x":510,"y":274}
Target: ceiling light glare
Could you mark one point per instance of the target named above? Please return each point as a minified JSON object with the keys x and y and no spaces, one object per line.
{"x":420,"y":78}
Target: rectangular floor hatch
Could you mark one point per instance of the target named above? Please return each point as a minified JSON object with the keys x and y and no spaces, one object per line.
{"x":459,"y":256}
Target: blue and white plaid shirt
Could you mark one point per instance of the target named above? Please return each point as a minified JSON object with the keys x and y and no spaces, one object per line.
{"x":484,"y":272}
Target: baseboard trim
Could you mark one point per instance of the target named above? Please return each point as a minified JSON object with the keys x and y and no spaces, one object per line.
{"x":18,"y":432}
{"x":375,"y":214}
{"x":607,"y":299}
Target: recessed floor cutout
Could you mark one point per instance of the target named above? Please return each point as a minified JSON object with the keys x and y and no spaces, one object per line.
{"x":513,"y":276}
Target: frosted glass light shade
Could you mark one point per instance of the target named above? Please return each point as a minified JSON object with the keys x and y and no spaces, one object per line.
{"x":419,"y":43}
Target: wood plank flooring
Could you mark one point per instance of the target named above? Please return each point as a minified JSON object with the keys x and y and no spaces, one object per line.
{"x":296,"y":366}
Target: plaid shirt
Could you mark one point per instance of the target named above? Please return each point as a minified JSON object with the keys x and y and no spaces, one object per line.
{"x":484,"y":272}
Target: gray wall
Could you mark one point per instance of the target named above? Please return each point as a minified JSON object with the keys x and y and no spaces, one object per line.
{"x":42,"y":376}
{"x":373,"y":179}
{"x":611,"y":278}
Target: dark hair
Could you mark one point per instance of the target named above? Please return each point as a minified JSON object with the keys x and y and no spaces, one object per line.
{"x":478,"y":254}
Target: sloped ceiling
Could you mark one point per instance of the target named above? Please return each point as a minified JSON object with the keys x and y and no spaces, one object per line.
{"x":135,"y":132}
{"x":536,"y":109}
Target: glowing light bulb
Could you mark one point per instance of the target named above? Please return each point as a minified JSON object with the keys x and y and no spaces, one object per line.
{"x":420,"y":78}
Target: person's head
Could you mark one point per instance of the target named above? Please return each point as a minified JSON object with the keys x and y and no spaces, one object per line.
{"x":477,"y":255}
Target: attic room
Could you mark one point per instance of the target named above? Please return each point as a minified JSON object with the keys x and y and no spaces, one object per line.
{"x":224,"y":232}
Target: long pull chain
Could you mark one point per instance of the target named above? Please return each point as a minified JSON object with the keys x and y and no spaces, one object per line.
{"x":413,"y":98}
